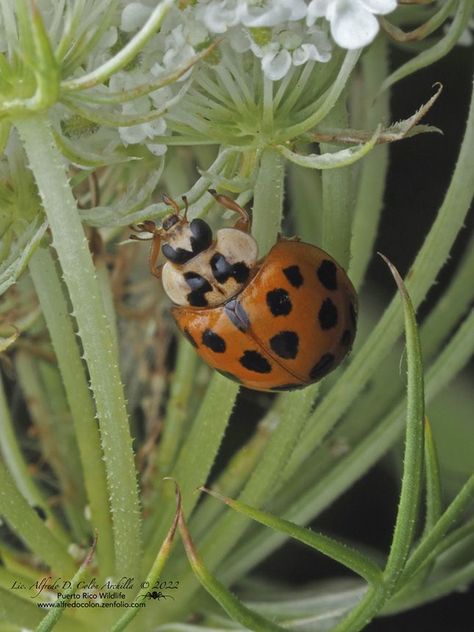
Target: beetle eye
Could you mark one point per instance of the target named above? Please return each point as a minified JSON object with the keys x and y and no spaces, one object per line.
{"x":201,"y":235}
{"x":169,"y":221}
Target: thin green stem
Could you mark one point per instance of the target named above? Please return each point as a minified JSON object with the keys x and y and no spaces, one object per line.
{"x":410,"y":492}
{"x":325,"y":104}
{"x":237,"y":471}
{"x":249,"y":619}
{"x":267,"y":118}
{"x":434,"y":501}
{"x":436,"y":534}
{"x":55,"y":310}
{"x":50,"y":620}
{"x":264,"y":480}
{"x":373,"y":169}
{"x":364,"y":612}
{"x":54,"y":450}
{"x":336,"y":195}
{"x":196,"y":456}
{"x":176,"y":411}
{"x":125,"y":55}
{"x":18,"y":468}
{"x":337,"y":551}
{"x":98,"y":344}
{"x":151,"y":579}
{"x":439,"y":50}
{"x":454,"y":302}
{"x":366,"y":449}
{"x":268,"y":200}
{"x":456,"y":579}
{"x":26,"y":523}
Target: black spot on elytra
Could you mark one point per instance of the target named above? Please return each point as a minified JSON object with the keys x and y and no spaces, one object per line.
{"x":346,"y":338}
{"x":223,"y":270}
{"x":40,"y":511}
{"x":322,"y":367}
{"x":327,"y":314}
{"x":285,"y":344}
{"x":279,"y":302}
{"x":230,"y":376}
{"x":254,"y":361}
{"x":327,"y":274}
{"x":289,"y":387}
{"x":213,"y":341}
{"x":199,"y":286}
{"x":353,"y":314}
{"x":294,"y":276}
{"x":188,"y":336}
{"x":237,"y":314}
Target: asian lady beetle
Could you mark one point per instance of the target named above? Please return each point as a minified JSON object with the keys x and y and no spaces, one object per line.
{"x":275,"y":324}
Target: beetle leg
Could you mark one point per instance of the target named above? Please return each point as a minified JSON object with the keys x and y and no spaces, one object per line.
{"x":153,"y":256}
{"x":244,"y":222}
{"x":155,"y":235}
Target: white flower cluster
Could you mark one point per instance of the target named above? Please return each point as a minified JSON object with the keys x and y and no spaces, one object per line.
{"x":280,"y":33}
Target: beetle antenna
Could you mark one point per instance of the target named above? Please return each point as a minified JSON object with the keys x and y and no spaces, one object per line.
{"x":170,"y":202}
{"x":186,"y":205}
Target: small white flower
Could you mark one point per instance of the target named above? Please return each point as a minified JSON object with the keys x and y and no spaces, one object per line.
{"x":156,"y":149}
{"x":134,"y":16}
{"x":140,"y":133}
{"x":272,"y":13}
{"x":217,"y":17}
{"x":143,"y":132}
{"x":294,"y":45}
{"x":239,"y":39}
{"x":353,"y":22}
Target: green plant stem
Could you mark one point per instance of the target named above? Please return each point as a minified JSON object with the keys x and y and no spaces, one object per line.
{"x":228,"y":530}
{"x":436,"y":559}
{"x":30,"y":528}
{"x":268,"y":200}
{"x":410,"y":492}
{"x":55,"y":310}
{"x":249,"y":619}
{"x":336,"y":194}
{"x":44,"y":418}
{"x":325,"y":104}
{"x":25,"y":615}
{"x":126,"y":54}
{"x":53,"y":616}
{"x":98,"y":344}
{"x":337,"y":551}
{"x":151,"y":579}
{"x":195,"y":458}
{"x":238,"y":470}
{"x":366,"y":450}
{"x":305,"y":193}
{"x":457,"y":579}
{"x":439,"y":50}
{"x":373,"y":169}
{"x":434,"y":502}
{"x":176,"y":411}
{"x":365,"y":610}
{"x":451,"y":306}
{"x":435,"y":536}
{"x":16,"y":464}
